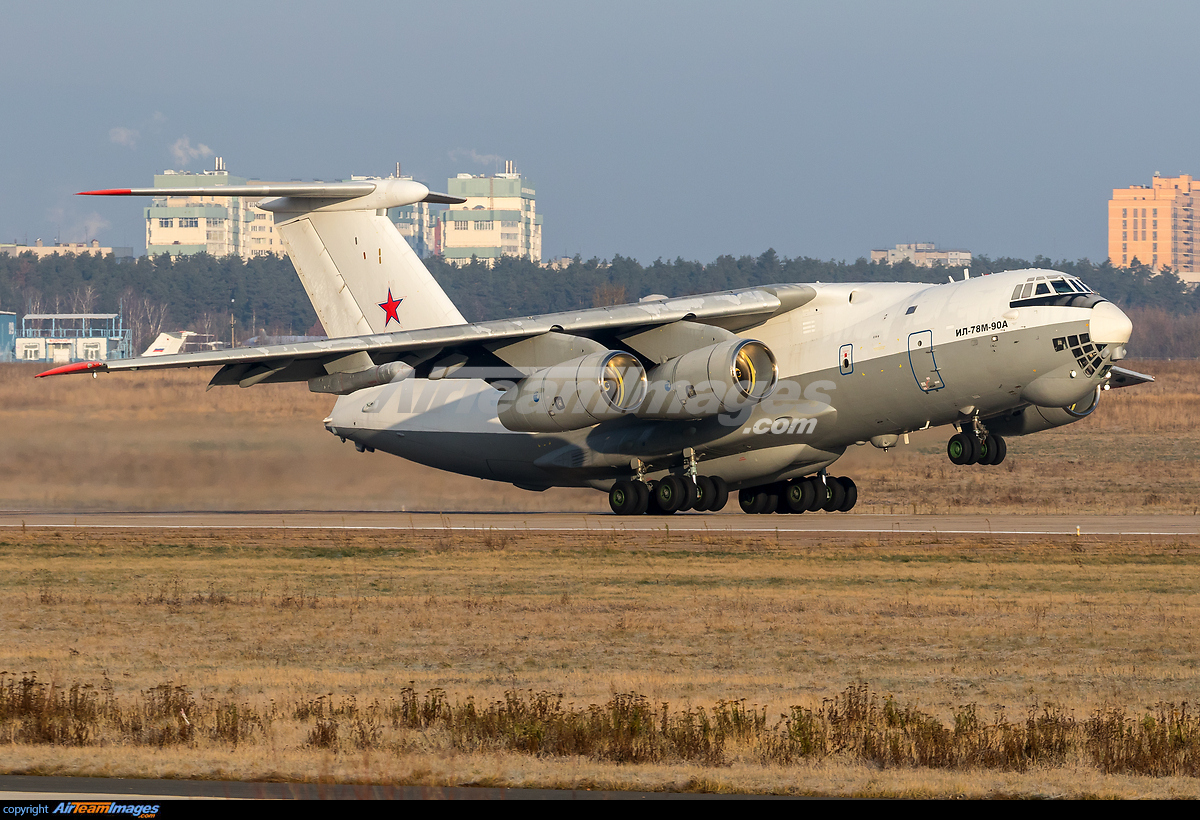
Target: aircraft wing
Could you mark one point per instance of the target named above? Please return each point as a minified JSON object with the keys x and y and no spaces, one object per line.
{"x":481,"y":350}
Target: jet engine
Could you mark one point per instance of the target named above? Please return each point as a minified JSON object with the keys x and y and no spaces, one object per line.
{"x":1034,"y":419}
{"x":575,"y":394}
{"x":722,"y":378}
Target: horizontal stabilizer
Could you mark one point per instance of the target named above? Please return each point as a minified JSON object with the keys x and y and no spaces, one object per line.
{"x":416,"y":192}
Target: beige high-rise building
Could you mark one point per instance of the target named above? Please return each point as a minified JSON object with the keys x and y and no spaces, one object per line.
{"x":1156,"y":224}
{"x":217,"y":225}
{"x":499,"y":218}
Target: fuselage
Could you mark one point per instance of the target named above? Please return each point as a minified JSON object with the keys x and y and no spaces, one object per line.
{"x":858,"y":362}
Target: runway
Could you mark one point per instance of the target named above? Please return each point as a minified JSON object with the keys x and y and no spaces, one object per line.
{"x":566,"y":522}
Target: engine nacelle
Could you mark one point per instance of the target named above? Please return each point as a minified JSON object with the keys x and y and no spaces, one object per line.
{"x":575,"y":394}
{"x":1034,"y":419}
{"x":723,"y":378}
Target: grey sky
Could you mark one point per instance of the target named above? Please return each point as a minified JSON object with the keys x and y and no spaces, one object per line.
{"x":650,"y":129}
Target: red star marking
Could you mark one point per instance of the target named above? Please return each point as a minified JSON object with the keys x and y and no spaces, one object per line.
{"x":390,"y":307}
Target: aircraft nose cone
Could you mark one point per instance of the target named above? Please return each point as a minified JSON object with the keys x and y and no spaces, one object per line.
{"x":1109,"y":325}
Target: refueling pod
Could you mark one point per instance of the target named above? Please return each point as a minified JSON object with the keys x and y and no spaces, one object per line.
{"x":1034,"y":419}
{"x":722,"y":378}
{"x":575,"y":394}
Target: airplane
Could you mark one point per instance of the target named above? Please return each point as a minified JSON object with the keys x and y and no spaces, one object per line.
{"x":667,"y":404}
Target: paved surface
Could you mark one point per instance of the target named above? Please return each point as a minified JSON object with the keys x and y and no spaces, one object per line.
{"x":1140,"y":525}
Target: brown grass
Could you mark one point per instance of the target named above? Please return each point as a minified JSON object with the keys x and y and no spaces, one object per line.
{"x":269,"y":625}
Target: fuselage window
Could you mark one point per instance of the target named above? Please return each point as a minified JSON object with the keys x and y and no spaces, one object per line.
{"x":910,"y":311}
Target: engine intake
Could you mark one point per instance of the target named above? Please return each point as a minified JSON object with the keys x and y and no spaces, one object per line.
{"x":575,"y":394}
{"x":722,"y":378}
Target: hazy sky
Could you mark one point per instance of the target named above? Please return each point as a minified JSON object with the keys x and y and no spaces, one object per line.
{"x":668,"y":129}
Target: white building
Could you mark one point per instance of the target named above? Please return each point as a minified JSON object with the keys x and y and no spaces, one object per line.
{"x":499,"y":218}
{"x":217,"y":225}
{"x":923,"y":255}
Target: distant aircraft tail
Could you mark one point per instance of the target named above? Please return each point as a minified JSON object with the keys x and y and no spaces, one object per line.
{"x":360,"y":275}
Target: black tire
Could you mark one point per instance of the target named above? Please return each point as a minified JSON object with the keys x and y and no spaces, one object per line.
{"x":706,"y":493}
{"x":797,"y":497}
{"x":670,"y":494}
{"x":976,"y":448}
{"x":1001,"y":450}
{"x":623,"y":497}
{"x":987,"y":450}
{"x":652,"y":507}
{"x":643,"y":493}
{"x":834,"y":495}
{"x":774,"y":494}
{"x":691,"y":494}
{"x":817,"y":489}
{"x":851,"y":491}
{"x":750,"y":502}
{"x":959,"y":448}
{"x":721,"y":496}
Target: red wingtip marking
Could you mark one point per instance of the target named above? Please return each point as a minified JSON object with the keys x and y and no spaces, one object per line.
{"x":77,"y":367}
{"x":107,"y":192}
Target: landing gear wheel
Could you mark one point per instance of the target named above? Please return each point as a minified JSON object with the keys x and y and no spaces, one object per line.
{"x":963,"y":448}
{"x":799,"y":496}
{"x":706,"y":493}
{"x":1001,"y":450}
{"x":851,"y":491}
{"x":623,"y":497}
{"x":818,"y":493}
{"x":690,"y":494}
{"x":720,"y":494}
{"x":752,"y":500}
{"x":670,"y":494}
{"x":835,"y":495}
{"x":774,"y":494}
{"x":643,"y":494}
{"x":987,"y":450}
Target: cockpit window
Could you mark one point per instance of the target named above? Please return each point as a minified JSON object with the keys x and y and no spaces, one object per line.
{"x":1053,"y":290}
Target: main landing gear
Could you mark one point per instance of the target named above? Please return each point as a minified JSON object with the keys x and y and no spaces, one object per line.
{"x":969,"y":447}
{"x":670,"y":495}
{"x":800,"y":495}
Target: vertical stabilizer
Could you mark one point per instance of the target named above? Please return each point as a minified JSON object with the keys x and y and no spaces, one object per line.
{"x":361,"y":276}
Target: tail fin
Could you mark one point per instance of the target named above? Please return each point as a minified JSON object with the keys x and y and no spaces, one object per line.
{"x":359,"y":273}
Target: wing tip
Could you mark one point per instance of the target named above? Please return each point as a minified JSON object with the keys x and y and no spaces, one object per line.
{"x":75,"y":367}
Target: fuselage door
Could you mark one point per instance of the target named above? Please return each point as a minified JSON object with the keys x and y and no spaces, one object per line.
{"x":922,"y":361}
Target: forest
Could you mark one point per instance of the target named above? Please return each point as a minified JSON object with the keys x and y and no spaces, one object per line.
{"x":263,"y":294}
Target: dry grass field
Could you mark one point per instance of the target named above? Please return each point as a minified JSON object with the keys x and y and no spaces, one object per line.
{"x":281,"y":625}
{"x":283,"y":632}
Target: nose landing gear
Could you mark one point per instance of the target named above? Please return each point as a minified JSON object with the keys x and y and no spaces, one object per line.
{"x":969,"y":447}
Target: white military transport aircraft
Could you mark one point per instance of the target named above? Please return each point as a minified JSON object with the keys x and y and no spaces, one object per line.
{"x":670,"y":403}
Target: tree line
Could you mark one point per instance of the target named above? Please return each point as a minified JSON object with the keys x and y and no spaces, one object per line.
{"x":263,"y":294}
